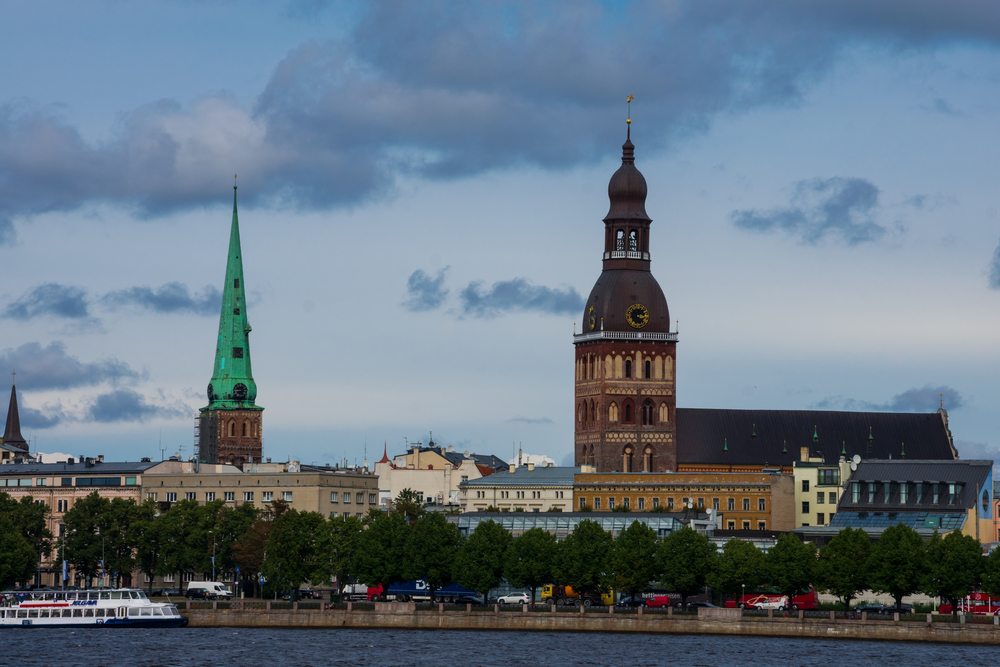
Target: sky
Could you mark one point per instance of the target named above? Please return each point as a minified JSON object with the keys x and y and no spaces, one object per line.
{"x":421,"y":191}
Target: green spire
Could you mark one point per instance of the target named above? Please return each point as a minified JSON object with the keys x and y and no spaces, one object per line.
{"x":784,"y":446}
{"x":725,"y":445}
{"x":232,"y":384}
{"x":815,"y":434}
{"x":843,"y":447}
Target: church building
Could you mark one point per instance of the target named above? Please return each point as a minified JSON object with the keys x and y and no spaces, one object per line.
{"x":228,"y":430}
{"x":626,"y":416}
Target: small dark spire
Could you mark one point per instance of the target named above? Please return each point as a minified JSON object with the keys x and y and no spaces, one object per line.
{"x":12,"y":432}
{"x":843,"y":449}
{"x":725,"y":445}
{"x":784,"y":446}
{"x":902,"y":450}
{"x":754,"y":433}
{"x":815,"y":434}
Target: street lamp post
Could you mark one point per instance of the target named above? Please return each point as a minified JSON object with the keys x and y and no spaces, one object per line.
{"x":743,"y":598}
{"x":213,"y":554}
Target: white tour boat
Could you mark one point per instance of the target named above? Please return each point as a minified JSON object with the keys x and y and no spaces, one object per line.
{"x":103,"y":607}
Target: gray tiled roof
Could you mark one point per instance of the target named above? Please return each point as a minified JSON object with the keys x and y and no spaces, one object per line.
{"x":970,"y":474}
{"x":98,"y":469}
{"x":553,"y":476}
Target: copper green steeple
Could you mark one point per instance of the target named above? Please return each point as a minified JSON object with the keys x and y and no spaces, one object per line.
{"x":232,"y":384}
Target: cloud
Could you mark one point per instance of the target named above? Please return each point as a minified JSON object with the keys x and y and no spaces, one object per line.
{"x":995,"y":269}
{"x":125,"y":405}
{"x":838,"y":207}
{"x":425,"y":293}
{"x":50,"y":299}
{"x":440,"y":89}
{"x":924,"y":399}
{"x":518,"y":294}
{"x":170,"y":298}
{"x":50,"y":367}
{"x":527,"y":420}
{"x":37,"y":419}
{"x":968,"y":449}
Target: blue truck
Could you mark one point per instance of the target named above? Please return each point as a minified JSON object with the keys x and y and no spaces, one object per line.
{"x":419,"y":591}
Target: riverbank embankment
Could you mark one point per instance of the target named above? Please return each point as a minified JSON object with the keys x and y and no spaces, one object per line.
{"x":596,"y":621}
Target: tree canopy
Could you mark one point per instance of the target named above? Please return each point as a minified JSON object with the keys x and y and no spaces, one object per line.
{"x":842,"y":568}
{"x":684,"y":559}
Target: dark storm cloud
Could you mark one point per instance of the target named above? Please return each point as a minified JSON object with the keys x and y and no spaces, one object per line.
{"x":170,"y":298}
{"x":443,"y":89}
{"x":50,"y":299}
{"x":37,"y":419}
{"x":425,"y":293}
{"x":843,"y":208}
{"x":518,"y":294}
{"x":995,"y":269}
{"x":924,"y":399}
{"x":51,"y":367}
{"x":125,"y":405}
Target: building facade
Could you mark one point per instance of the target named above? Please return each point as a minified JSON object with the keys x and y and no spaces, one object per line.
{"x":928,"y":496}
{"x":626,"y":353}
{"x":435,"y":473}
{"x":527,"y":488}
{"x":740,"y":501}
{"x":230,"y":428}
{"x":330,"y":492}
{"x":818,"y":488}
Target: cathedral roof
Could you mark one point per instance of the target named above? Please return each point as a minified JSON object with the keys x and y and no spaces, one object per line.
{"x":232,"y":385}
{"x":775,"y":437}
{"x":627,"y":188}
{"x":12,"y":437}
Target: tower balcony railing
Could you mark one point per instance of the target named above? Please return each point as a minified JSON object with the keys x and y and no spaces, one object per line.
{"x":670,"y":337}
{"x":626,"y":254}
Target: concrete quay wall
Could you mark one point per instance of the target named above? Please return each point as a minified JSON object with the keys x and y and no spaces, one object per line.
{"x":599,"y":622}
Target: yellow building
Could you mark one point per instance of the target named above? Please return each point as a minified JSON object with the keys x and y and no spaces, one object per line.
{"x":818,"y":487}
{"x":527,"y":488}
{"x":743,"y":501}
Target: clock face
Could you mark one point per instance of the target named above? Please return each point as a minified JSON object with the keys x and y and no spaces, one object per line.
{"x":592,"y":319}
{"x":240,"y":392}
{"x":211,"y":392}
{"x":637,"y":316}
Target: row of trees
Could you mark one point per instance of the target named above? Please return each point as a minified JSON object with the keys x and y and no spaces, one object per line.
{"x":288,"y":548}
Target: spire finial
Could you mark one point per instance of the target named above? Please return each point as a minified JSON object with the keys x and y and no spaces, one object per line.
{"x":13,"y":375}
{"x":725,"y":444}
{"x":843,"y":448}
{"x":941,"y":403}
{"x":628,"y":115}
{"x":234,"y":181}
{"x":784,"y":446}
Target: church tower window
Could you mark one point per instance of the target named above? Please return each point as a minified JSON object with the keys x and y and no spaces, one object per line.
{"x":628,"y":368}
{"x":620,"y":240}
{"x":633,"y":241}
{"x":647,"y":413}
{"x":649,"y":375}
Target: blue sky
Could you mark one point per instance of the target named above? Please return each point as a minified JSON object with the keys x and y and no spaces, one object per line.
{"x":422,"y":187}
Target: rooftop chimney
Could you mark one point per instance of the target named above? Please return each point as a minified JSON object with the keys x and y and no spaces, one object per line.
{"x":512,"y":467}
{"x":531,"y":466}
{"x":803,"y":453}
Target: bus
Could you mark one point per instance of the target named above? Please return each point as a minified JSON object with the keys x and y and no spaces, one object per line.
{"x":806,"y":599}
{"x":979,"y":604}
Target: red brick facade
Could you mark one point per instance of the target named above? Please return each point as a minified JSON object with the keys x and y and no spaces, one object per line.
{"x":231,"y":436}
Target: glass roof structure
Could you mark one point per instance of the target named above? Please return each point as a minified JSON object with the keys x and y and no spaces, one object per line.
{"x":562,"y":524}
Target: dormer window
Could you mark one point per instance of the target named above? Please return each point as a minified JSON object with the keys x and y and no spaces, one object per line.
{"x":633,"y":240}
{"x":236,"y":283}
{"x":620,"y":239}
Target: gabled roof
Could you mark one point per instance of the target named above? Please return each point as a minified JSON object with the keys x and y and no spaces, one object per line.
{"x":971,"y":475}
{"x":553,"y":476}
{"x":774,"y":437}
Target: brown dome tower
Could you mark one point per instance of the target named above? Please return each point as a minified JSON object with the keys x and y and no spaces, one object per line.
{"x":626,"y":354}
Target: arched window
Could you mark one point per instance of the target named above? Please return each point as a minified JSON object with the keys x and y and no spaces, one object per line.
{"x":649,"y":375}
{"x":627,"y":409}
{"x":618,"y":368}
{"x":579,"y":413}
{"x":627,"y":460}
{"x":591,"y":460}
{"x":664,"y":413}
{"x":668,"y":368}
{"x":232,"y":429}
{"x":593,"y":414}
{"x":628,"y":368}
{"x":246,"y":428}
{"x":613,"y":412}
{"x":658,"y":366}
{"x":608,"y":367}
{"x":620,"y":239}
{"x":647,"y":413}
{"x":633,"y":240}
{"x":647,"y":459}
{"x":583,"y":455}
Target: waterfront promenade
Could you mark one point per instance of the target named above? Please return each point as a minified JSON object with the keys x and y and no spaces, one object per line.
{"x":405,"y":616}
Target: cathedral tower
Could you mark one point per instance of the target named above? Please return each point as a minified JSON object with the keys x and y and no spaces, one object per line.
{"x":229,"y":427}
{"x":626,"y":354}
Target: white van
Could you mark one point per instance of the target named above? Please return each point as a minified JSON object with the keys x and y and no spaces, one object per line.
{"x":208,"y":590}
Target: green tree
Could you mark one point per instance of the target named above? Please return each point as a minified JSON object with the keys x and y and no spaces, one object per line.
{"x":31,"y":519}
{"x":249,"y":551}
{"x":184,"y":539}
{"x":481,"y":558}
{"x":791,"y":566}
{"x":345,"y":535}
{"x":531,"y":559}
{"x":148,"y":555}
{"x":409,"y":504}
{"x":633,"y":558}
{"x":81,"y":539}
{"x":582,"y":560}
{"x":297,"y":551}
{"x":739,"y":566}
{"x":17,"y":557}
{"x":955,"y":566}
{"x":991,"y":574}
{"x":842,"y":567}
{"x":898,"y":562}
{"x":379,"y":558}
{"x":683,"y":561}
{"x":430,"y":551}
{"x":231,"y":524}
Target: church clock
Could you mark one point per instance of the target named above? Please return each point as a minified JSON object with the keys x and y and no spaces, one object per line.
{"x":637,"y":315}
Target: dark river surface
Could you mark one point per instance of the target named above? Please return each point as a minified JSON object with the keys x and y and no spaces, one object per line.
{"x":237,"y":647}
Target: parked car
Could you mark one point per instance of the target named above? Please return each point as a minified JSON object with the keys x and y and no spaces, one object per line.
{"x":695,"y":605}
{"x":773,"y":603}
{"x":469,"y":599}
{"x":514,"y":598}
{"x":631,"y":603}
{"x":166,"y":592}
{"x":872,"y":608}
{"x":208,"y":590}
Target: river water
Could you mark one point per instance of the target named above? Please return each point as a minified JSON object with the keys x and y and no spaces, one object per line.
{"x":238,"y":647}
